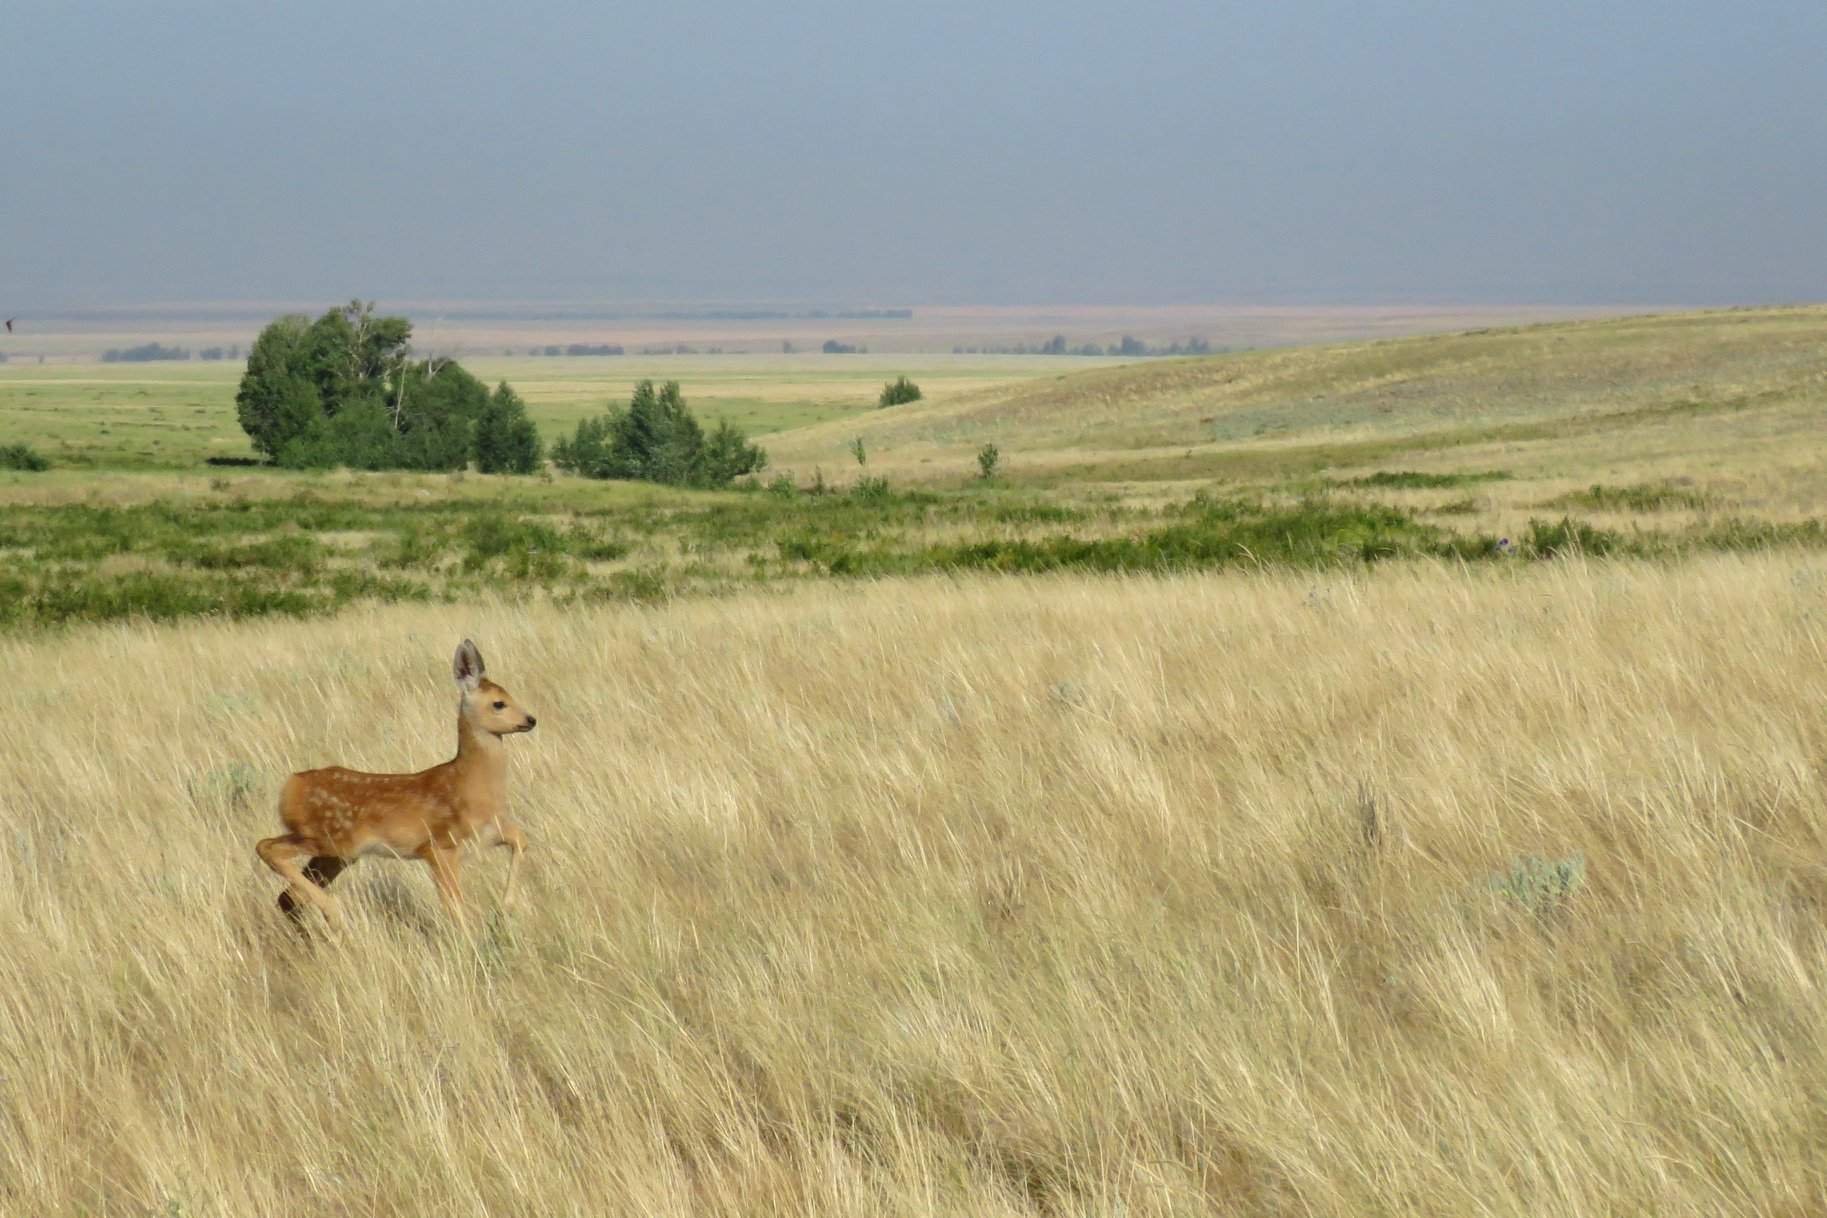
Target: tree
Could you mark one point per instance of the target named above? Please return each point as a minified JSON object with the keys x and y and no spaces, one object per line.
{"x":277,"y":403}
{"x":656,"y":439}
{"x":506,"y":440}
{"x":345,"y":390}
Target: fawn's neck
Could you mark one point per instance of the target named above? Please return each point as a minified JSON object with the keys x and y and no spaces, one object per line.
{"x":481,"y":757}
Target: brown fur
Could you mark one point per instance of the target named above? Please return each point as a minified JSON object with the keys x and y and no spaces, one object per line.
{"x":333,"y":816}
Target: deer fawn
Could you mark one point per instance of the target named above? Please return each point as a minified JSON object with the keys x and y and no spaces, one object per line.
{"x":334,"y":816}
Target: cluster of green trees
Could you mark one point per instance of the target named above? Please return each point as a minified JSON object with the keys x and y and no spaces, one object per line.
{"x":656,"y":439}
{"x":345,"y":390}
{"x":1130,"y":347}
{"x":144,"y":353}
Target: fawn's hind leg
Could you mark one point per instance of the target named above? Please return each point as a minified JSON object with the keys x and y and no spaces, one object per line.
{"x":322,"y":871}
{"x":284,"y":854}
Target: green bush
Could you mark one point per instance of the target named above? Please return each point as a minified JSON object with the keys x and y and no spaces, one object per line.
{"x":1553,"y":539}
{"x":656,"y":439}
{"x":988,"y":458}
{"x":22,"y":457}
{"x":898,"y":391}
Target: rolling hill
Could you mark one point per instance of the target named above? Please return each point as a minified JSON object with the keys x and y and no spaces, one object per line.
{"x":1558,"y":399}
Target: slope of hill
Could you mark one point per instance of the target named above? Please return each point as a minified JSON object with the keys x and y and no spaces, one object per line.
{"x":1297,"y":410}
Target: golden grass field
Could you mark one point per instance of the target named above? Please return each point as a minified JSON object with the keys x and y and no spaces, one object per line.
{"x":1067,"y":895}
{"x":1226,"y":893}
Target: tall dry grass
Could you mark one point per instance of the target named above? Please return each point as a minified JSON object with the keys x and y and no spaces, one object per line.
{"x":1068,"y":896}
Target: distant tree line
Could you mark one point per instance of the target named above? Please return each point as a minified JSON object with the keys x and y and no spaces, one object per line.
{"x":577,"y":349}
{"x":834,"y":347}
{"x":1130,"y":347}
{"x":144,"y":353}
{"x":656,"y":439}
{"x":785,"y":314}
{"x":220,"y":353}
{"x":345,"y":390}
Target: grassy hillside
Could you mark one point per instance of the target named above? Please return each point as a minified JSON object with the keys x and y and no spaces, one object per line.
{"x":1559,"y":396}
{"x":1418,"y":892}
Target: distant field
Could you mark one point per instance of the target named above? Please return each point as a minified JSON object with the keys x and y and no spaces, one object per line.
{"x":179,"y":414}
{"x":1656,"y":437}
{"x":472,"y":331}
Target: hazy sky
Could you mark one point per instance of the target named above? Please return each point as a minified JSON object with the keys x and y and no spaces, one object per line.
{"x":1564,"y":151}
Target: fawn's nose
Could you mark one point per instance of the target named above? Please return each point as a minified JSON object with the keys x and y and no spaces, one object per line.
{"x":531,"y":723}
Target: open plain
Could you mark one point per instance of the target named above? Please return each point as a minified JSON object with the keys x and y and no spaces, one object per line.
{"x":1382,"y":777}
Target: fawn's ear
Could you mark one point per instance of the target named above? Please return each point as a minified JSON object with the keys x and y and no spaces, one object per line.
{"x":467,"y":666}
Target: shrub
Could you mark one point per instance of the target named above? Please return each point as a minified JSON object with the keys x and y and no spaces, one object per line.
{"x":656,"y":439}
{"x":898,"y":391}
{"x":1569,"y":536}
{"x":1639,"y":497}
{"x":988,"y":457}
{"x":1542,"y":887}
{"x":23,"y":457}
{"x":871,"y":490}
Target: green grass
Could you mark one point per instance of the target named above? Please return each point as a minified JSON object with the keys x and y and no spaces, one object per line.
{"x":1407,"y":479}
{"x":179,"y":414}
{"x":320,"y":549}
{"x":1638,"y":497}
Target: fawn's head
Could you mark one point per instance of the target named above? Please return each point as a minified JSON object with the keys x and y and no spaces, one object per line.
{"x":485,"y":703}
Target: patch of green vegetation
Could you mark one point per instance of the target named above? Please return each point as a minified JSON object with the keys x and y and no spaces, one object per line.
{"x":1408,"y":479}
{"x":1638,"y":497}
{"x":898,"y":392}
{"x":1735,"y":533}
{"x":23,"y":457}
{"x":311,"y":553}
{"x":1209,"y":533}
{"x":1567,"y":536}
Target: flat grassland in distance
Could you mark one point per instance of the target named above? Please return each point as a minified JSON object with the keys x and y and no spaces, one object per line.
{"x":1394,"y":786}
{"x":1417,"y":890}
{"x":180,"y":414}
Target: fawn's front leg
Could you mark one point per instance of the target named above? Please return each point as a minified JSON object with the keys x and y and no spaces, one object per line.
{"x":508,"y":834}
{"x":445,"y":863}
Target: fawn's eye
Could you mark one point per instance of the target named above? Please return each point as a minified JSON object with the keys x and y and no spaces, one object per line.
{"x":500,"y":706}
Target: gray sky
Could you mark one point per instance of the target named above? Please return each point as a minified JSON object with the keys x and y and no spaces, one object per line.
{"x":1563,"y":151}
